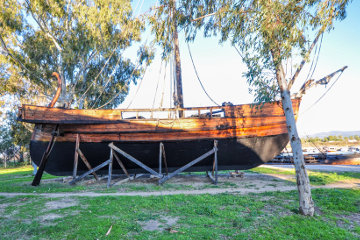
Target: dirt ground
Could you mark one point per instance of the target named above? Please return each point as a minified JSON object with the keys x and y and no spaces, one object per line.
{"x":318,"y":167}
{"x":200,"y":184}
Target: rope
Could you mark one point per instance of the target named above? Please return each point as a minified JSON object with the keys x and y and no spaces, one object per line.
{"x":314,"y":145}
{"x":157,"y":85}
{"x":238,"y":51}
{"x":197,"y":75}
{"x":107,"y":82}
{"x":102,"y":69}
{"x":164,"y":85}
{"x":317,"y":52}
{"x":137,"y":90}
{"x":142,"y":2}
{"x":138,"y":64}
{"x":113,"y":98}
{"x":323,"y":94}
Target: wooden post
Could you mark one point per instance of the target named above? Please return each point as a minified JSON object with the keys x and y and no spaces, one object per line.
{"x":76,"y":156}
{"x":160,"y":157}
{"x":110,"y":168}
{"x":44,"y":159}
{"x":121,"y":164}
{"x":216,"y":160}
{"x":83,"y":158}
{"x":164,"y":158}
{"x":90,"y":171}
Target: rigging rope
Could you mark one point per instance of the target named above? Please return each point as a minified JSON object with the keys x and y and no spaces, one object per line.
{"x":102,"y":69}
{"x":113,"y":98}
{"x":238,"y":51}
{"x":316,"y":55}
{"x":136,"y":67}
{"x":112,"y":74}
{"x":164,"y":85}
{"x":137,"y":90}
{"x":157,"y":85}
{"x":197,"y":75}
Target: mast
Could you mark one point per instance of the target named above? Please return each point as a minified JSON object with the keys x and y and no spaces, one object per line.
{"x":178,"y":98}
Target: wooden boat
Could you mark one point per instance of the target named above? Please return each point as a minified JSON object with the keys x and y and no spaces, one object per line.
{"x":248,"y":135}
{"x":342,"y":159}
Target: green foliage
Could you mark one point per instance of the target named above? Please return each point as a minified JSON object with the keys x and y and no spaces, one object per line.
{"x":14,"y":138}
{"x":332,"y":138}
{"x":267,"y":33}
{"x":269,"y":215}
{"x":316,"y":177}
{"x":163,"y":25}
{"x":84,"y":41}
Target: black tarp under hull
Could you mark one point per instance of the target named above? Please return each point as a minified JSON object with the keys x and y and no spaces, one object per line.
{"x":233,"y":154}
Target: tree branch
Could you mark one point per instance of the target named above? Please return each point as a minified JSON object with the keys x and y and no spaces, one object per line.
{"x":207,"y":15}
{"x":6,"y":50}
{"x":298,"y":70}
{"x":43,"y":27}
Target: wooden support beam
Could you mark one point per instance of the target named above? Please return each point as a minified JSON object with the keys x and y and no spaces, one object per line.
{"x":110,"y":167}
{"x":162,"y":157}
{"x":131,"y":158}
{"x":121,"y":164}
{"x":216,"y":160}
{"x":190,"y":164}
{"x":83,"y":158}
{"x":44,"y":159}
{"x":90,"y":172}
{"x":76,"y":156}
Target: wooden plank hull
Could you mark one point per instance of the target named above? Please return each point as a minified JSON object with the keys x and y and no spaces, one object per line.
{"x":248,"y":136}
{"x":234,"y":153}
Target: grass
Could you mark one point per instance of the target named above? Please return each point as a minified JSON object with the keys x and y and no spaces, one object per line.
{"x":316,"y":177}
{"x":17,"y":170}
{"x":270,"y":215}
{"x":256,"y":216}
{"x":19,"y":180}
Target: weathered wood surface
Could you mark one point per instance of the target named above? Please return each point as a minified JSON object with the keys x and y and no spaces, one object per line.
{"x":42,"y":135}
{"x":84,"y":159}
{"x":121,"y":164}
{"x":44,"y":159}
{"x":37,"y":114}
{"x":241,"y":122}
{"x":76,"y":155}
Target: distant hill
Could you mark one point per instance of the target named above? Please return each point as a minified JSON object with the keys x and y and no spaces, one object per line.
{"x":335,"y":133}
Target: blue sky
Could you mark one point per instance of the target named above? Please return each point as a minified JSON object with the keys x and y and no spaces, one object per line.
{"x":220,"y":69}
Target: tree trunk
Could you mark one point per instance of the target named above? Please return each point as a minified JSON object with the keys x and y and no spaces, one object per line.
{"x":63,"y":96}
{"x":302,"y":178}
{"x":179,"y":102}
{"x":21,"y":154}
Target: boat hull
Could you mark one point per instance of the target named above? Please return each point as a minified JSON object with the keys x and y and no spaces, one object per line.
{"x":343,"y":159}
{"x":233,"y":153}
{"x":248,"y":135}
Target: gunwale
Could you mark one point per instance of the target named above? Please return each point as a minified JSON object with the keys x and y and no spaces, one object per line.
{"x":240,"y":121}
{"x":40,"y":114}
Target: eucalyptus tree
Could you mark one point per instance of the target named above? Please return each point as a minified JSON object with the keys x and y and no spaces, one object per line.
{"x":84,"y":41}
{"x":267,"y":33}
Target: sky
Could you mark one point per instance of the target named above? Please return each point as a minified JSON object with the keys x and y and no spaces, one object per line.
{"x":221,"y":71}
